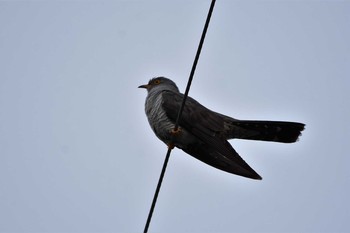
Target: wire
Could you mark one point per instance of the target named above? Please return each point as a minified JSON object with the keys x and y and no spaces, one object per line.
{"x":157,"y":190}
{"x":179,"y":114}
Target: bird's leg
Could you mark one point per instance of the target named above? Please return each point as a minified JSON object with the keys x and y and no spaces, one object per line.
{"x":174,"y":132}
{"x":171,"y":145}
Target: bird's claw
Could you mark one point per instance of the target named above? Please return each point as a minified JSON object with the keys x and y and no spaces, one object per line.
{"x":175,"y":132}
{"x":171,"y":146}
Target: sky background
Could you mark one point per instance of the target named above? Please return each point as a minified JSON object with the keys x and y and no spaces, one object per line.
{"x":77,"y":153}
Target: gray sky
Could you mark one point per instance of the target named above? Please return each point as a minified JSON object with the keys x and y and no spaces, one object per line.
{"x":77,"y":153}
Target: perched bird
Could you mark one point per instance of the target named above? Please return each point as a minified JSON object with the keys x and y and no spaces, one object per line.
{"x":203,"y":133}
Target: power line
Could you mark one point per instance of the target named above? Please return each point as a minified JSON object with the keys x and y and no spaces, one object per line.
{"x":179,"y":114}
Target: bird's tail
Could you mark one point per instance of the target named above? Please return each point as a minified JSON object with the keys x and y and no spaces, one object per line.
{"x":276,"y":131}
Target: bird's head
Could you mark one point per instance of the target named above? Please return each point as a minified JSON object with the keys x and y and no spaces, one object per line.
{"x":160,"y":83}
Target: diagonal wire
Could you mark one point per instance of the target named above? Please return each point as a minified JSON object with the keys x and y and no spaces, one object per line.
{"x":179,"y":114}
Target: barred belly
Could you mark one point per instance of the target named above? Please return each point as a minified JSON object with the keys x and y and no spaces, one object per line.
{"x":161,"y":125}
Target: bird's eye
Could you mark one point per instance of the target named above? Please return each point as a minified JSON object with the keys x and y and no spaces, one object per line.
{"x":157,"y":81}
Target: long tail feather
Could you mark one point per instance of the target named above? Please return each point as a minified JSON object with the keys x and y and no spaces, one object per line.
{"x":276,"y":131}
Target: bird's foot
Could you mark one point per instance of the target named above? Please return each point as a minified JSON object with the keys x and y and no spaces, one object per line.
{"x":175,"y":132}
{"x":171,"y":146}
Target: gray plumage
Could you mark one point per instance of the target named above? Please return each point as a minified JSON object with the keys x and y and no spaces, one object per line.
{"x":204,"y":133}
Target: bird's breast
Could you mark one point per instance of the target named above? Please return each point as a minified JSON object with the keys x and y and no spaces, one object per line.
{"x":157,"y":118}
{"x":162,"y":125}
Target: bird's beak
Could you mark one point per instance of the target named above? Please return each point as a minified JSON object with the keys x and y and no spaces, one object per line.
{"x":144,"y":86}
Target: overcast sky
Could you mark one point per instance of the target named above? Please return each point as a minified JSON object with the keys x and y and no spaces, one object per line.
{"x":77,"y":153}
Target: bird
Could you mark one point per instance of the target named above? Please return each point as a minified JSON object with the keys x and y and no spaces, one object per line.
{"x":203,"y":133}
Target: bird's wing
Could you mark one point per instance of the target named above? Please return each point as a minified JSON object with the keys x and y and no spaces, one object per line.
{"x":208,"y":127}
{"x":195,"y":118}
{"x":231,"y":162}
